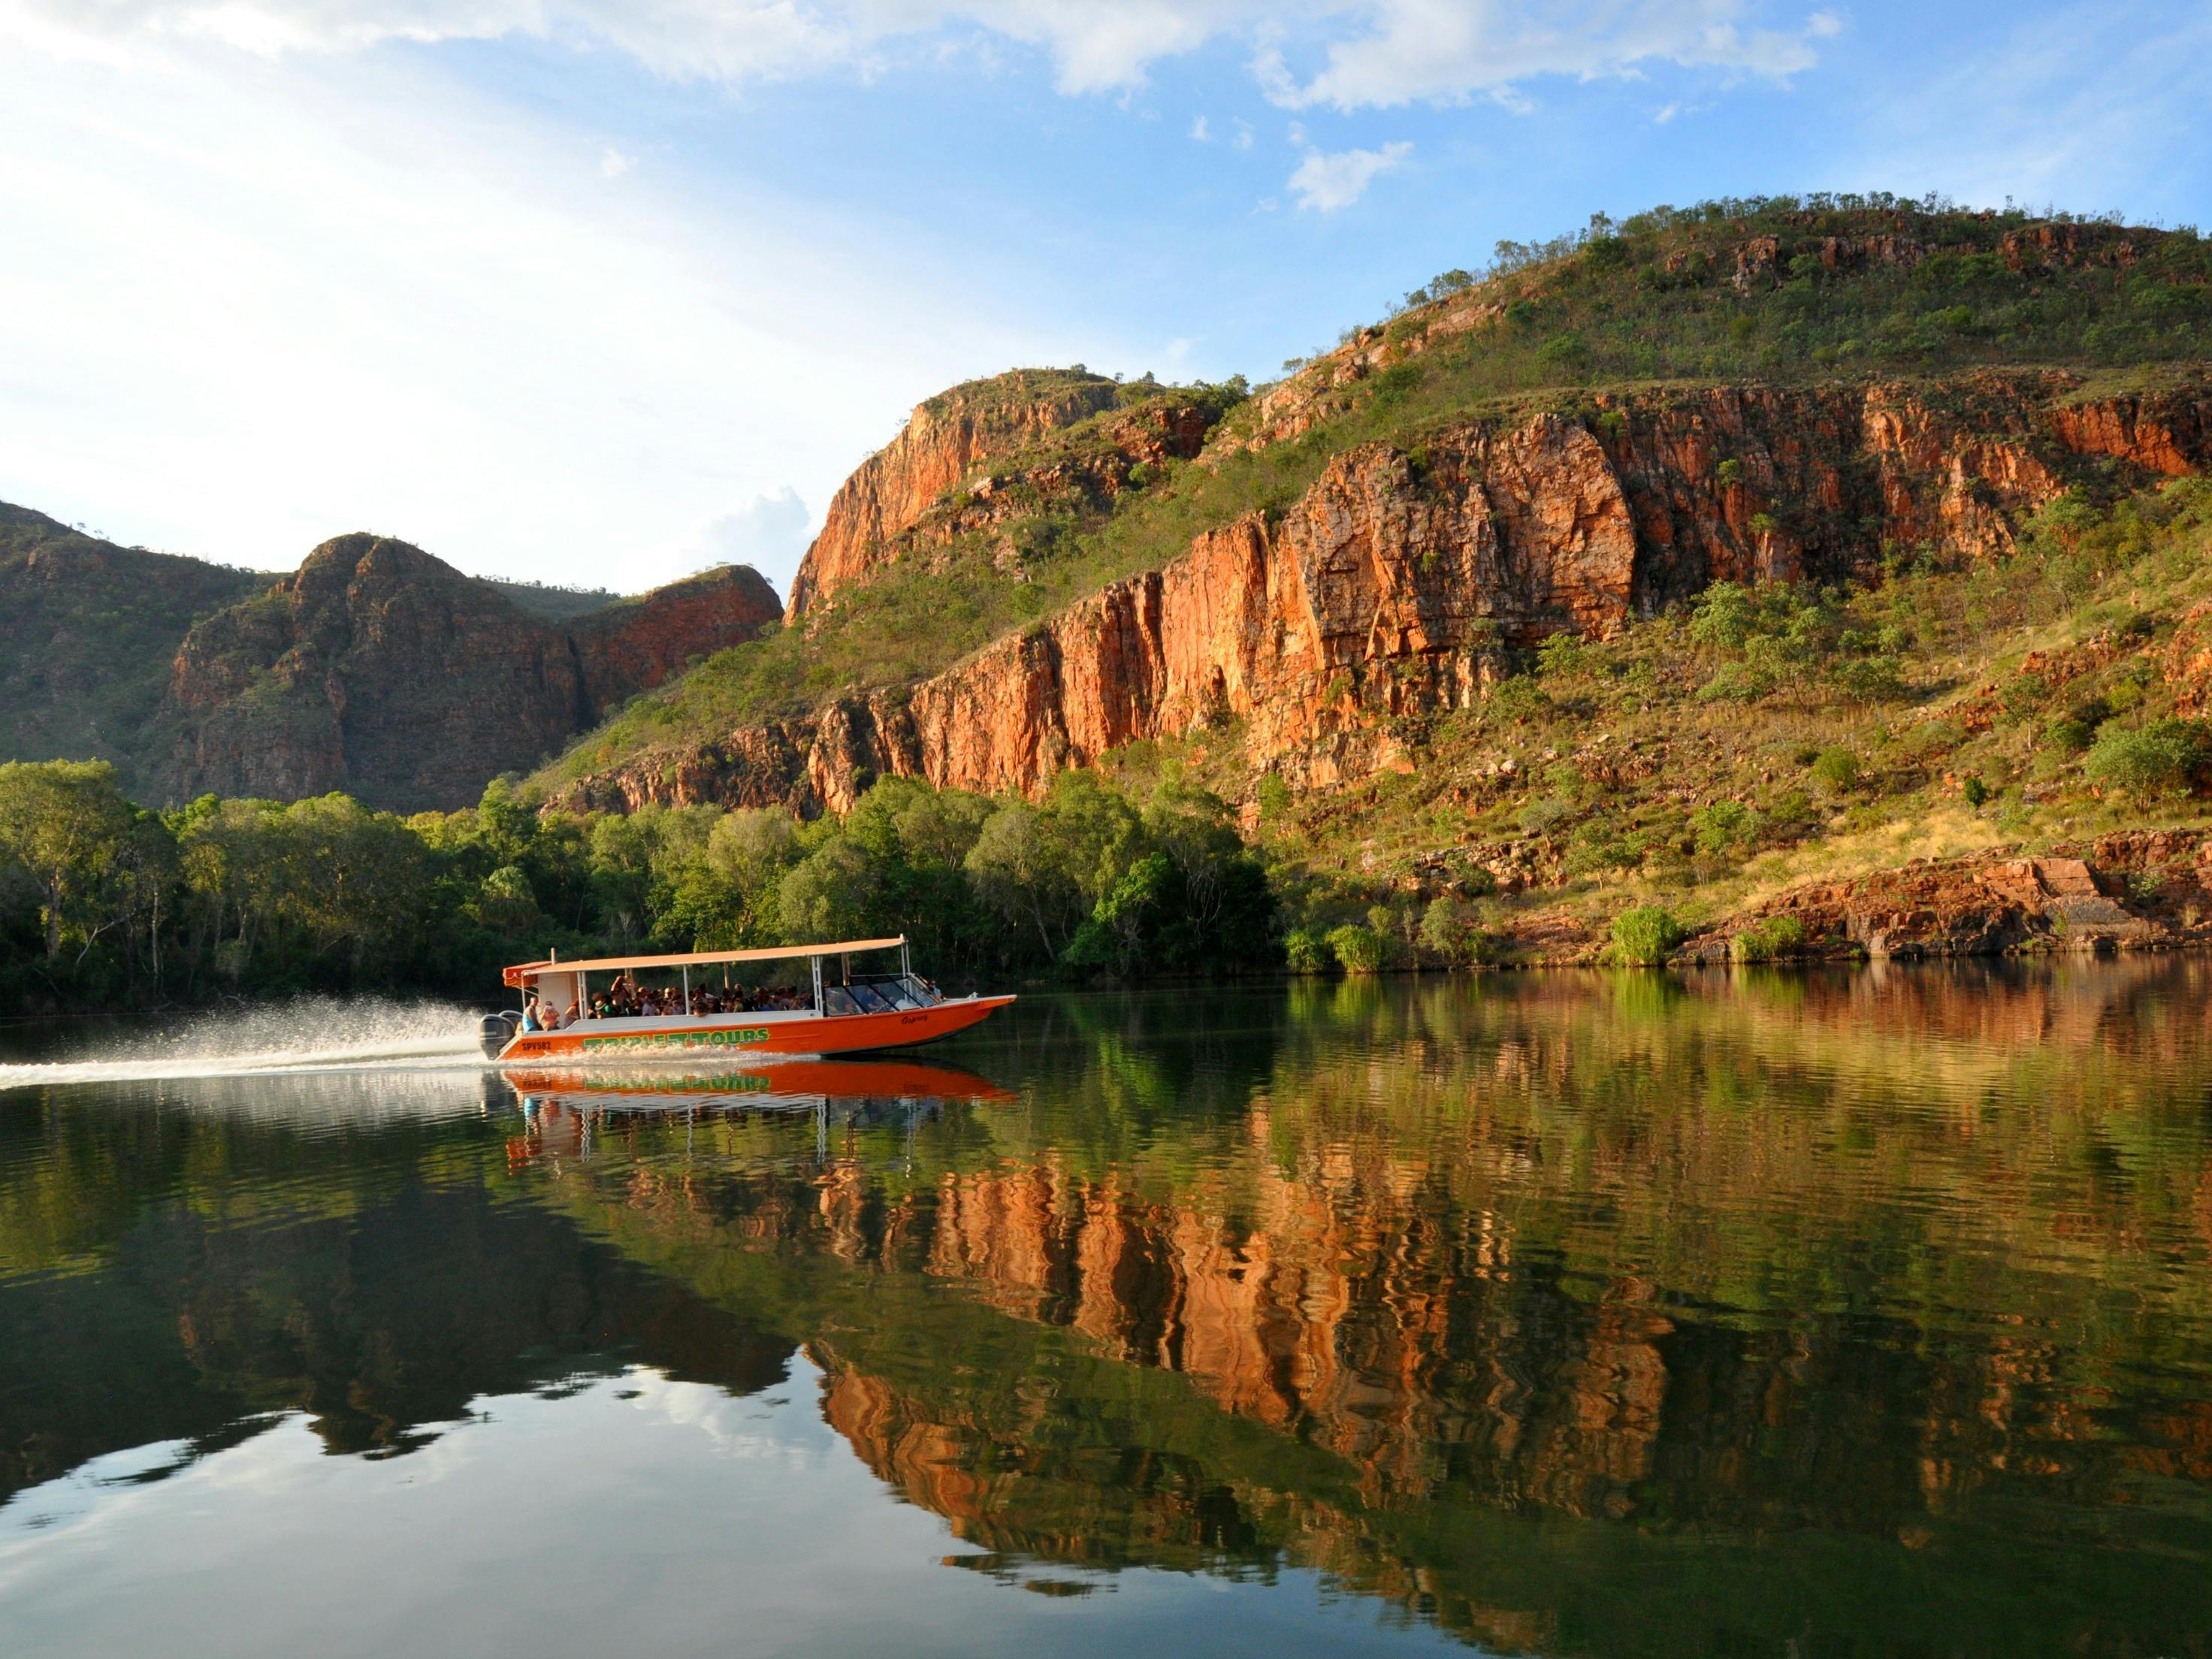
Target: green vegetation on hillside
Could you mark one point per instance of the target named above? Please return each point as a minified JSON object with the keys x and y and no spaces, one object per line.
{"x":88,"y":632}
{"x":1834,"y":289}
{"x":1789,"y":286}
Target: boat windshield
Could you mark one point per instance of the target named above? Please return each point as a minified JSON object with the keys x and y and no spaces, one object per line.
{"x":879,"y":994}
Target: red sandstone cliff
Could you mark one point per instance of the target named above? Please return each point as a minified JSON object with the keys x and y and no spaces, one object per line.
{"x":379,"y":669}
{"x":941,"y":444}
{"x":1387,"y":589}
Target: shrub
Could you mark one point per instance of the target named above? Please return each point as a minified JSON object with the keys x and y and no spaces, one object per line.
{"x":1517,"y":698}
{"x":1976,"y":792}
{"x":1931,"y":737}
{"x":2068,"y":735}
{"x":1562,"y":653}
{"x":1358,"y":949}
{"x":1644,"y":937}
{"x":1837,"y":770}
{"x":1724,"y":826}
{"x":1305,"y":951}
{"x":1563,"y":354}
{"x":1541,"y":817}
{"x":1765,"y":941}
{"x":2157,"y":758}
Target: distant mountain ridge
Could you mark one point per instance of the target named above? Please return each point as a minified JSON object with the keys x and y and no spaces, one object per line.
{"x":376,"y":668}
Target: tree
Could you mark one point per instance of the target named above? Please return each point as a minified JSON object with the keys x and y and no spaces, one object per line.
{"x":2162,"y":756}
{"x":65,"y":822}
{"x":1444,"y":928}
{"x":1016,"y":870}
{"x":829,"y":895}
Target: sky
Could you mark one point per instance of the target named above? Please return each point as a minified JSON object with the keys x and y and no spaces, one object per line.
{"x":602,"y":292}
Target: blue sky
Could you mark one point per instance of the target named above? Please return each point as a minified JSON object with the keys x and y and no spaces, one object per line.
{"x":598,"y":291}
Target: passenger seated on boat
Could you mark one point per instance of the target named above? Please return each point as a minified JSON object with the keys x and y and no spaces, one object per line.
{"x":600,"y":1006}
{"x":567,"y":1019}
{"x":529,"y":1020}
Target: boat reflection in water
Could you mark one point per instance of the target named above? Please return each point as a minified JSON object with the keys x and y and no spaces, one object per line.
{"x":565,"y":1111}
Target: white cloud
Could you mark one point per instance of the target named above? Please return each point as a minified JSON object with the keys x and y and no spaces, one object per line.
{"x":247,"y":306}
{"x":1324,"y":183}
{"x":1450,"y":50}
{"x":613,"y":163}
{"x":1198,"y":129}
{"x":1243,"y":138}
{"x":1383,"y":52}
{"x":769,"y":532}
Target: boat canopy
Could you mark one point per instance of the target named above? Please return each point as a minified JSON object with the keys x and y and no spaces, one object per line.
{"x":523,"y":971}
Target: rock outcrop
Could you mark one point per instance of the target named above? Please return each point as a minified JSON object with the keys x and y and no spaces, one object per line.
{"x":1390,"y":588}
{"x":940,"y":445}
{"x":379,"y":669}
{"x":2127,"y":890}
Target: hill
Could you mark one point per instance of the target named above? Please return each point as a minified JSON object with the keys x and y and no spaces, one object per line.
{"x":374,"y":668}
{"x":87,"y":630}
{"x":382,"y":672}
{"x":1589,"y":435}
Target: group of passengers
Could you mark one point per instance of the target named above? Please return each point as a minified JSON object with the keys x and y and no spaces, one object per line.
{"x":626,"y":1000}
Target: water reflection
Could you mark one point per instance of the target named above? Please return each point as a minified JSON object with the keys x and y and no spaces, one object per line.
{"x":1864,"y":1312}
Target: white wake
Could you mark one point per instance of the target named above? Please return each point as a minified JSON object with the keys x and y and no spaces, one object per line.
{"x":306,"y":1034}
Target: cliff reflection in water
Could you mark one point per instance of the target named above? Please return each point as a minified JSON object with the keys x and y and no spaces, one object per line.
{"x":1573,"y":1314}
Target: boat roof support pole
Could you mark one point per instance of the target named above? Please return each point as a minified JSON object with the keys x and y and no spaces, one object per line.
{"x":686,"y":972}
{"x":818,"y":985}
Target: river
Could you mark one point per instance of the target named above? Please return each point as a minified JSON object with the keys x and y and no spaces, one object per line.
{"x":1738,"y":1314}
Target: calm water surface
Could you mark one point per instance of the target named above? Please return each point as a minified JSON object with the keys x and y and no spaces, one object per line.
{"x":1749,"y":1315}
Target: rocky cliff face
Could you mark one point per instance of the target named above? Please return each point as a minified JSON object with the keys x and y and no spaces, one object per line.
{"x":379,"y":669}
{"x":941,"y":445}
{"x":1392,"y":585}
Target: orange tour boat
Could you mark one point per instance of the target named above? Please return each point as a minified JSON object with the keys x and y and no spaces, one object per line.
{"x":599,"y":1009}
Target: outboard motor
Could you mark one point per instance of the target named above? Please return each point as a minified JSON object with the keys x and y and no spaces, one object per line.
{"x":495,"y":1032}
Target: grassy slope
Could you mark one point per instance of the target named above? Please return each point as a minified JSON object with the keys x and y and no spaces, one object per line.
{"x":85,"y":653}
{"x":1647,"y":302}
{"x":1650,"y":769}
